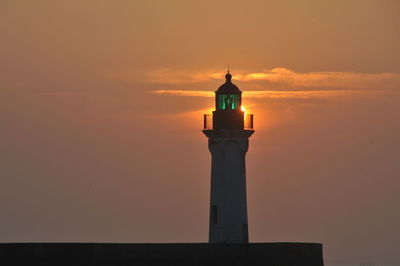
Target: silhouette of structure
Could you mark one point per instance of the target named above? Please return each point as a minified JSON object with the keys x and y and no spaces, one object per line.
{"x":228,"y":142}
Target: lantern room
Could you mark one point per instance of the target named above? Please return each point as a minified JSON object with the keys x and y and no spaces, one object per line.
{"x":228,"y":96}
{"x":228,"y":113}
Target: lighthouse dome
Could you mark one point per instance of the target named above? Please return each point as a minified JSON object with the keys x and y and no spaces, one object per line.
{"x":228,"y":87}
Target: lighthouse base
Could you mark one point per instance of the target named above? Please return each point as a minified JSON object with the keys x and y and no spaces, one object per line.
{"x":99,"y":254}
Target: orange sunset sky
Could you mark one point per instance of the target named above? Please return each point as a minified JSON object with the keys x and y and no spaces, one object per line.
{"x":101,"y":106}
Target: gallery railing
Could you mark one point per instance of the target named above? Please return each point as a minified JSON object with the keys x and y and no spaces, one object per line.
{"x":208,"y":122}
{"x":248,"y":122}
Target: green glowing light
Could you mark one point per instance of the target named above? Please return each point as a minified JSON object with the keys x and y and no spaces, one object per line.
{"x":228,"y":101}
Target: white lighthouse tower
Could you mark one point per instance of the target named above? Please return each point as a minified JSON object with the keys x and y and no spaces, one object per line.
{"x":228,"y":131}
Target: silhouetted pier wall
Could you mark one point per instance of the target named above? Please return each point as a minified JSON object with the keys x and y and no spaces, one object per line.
{"x":99,"y":254}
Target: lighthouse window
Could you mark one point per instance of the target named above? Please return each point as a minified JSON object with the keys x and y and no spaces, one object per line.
{"x":228,"y":101}
{"x":221,"y":102}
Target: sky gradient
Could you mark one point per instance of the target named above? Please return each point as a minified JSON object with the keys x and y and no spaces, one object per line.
{"x":101,"y":107}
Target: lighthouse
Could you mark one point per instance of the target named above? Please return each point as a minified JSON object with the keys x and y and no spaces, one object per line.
{"x":228,"y":130}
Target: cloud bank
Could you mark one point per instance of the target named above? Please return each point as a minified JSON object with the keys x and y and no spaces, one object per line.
{"x":284,"y":77}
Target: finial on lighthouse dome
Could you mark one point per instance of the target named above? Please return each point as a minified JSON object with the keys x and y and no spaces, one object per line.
{"x":228,"y":77}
